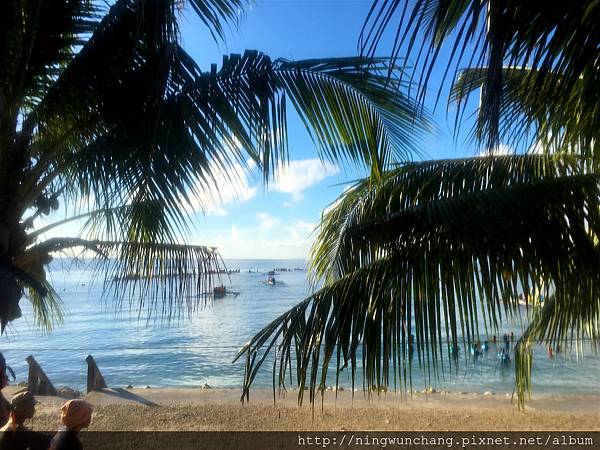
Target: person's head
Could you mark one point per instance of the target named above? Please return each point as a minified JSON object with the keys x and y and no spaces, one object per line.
{"x":22,"y":406}
{"x":76,"y":414}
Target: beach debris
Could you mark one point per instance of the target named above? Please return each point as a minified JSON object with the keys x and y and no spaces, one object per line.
{"x":148,"y":387}
{"x":67,"y":392}
{"x":206,"y":386}
{"x":487,"y":393}
{"x":38,"y":382}
{"x":95,"y":380}
{"x":129,"y":386}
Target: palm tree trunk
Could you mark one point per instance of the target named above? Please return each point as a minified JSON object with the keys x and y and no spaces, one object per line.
{"x":12,"y":234}
{"x":10,"y":294}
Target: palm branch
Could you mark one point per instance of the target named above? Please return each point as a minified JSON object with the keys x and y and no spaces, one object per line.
{"x":555,"y":42}
{"x":570,"y":126}
{"x":434,"y":248}
{"x":108,"y":115}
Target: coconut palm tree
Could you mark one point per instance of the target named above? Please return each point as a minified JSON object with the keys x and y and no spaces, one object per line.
{"x":433,"y":247}
{"x":551,"y":46}
{"x":104,"y":116}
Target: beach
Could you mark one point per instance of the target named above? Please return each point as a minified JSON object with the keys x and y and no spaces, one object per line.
{"x":181,"y":409}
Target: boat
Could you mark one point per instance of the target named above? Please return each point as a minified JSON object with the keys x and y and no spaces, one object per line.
{"x":220,"y":291}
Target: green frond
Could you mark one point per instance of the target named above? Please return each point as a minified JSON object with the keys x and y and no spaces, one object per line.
{"x":46,"y":304}
{"x":435,"y":249}
{"x":554,"y":39}
{"x":211,"y":122}
{"x":166,"y":279}
{"x":48,"y":310}
{"x":569,"y":126}
{"x":114,"y":121}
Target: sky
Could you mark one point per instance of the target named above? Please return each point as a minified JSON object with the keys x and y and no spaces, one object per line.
{"x":252,"y":220}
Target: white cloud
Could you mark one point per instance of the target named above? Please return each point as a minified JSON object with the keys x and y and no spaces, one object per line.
{"x":501,"y":149}
{"x":267,"y":221}
{"x":232,"y":186}
{"x":301,"y":230}
{"x":291,"y":241}
{"x":299,"y":175}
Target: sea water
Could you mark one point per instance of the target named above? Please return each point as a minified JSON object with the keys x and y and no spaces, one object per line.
{"x":199,"y":349}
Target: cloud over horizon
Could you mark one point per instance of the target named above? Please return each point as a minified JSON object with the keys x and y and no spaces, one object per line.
{"x":302,"y":174}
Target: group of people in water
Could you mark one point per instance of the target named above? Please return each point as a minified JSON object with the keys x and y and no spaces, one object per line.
{"x":14,"y":435}
{"x":478,"y":348}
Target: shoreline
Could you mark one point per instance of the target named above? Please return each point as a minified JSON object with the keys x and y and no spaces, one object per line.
{"x":195,"y":409}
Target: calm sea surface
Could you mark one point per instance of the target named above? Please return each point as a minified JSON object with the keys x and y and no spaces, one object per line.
{"x":200,"y":350}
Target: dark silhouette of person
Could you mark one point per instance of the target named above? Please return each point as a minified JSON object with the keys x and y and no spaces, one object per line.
{"x":4,"y":404}
{"x":75,"y":415}
{"x":14,"y":435}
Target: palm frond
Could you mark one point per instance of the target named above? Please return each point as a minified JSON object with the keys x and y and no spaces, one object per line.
{"x":435,"y":249}
{"x":48,"y":309}
{"x":165,"y":279}
{"x":557,"y":40}
{"x":124,"y":116}
{"x":569,"y":126}
{"x":214,"y":121}
{"x":159,"y":278}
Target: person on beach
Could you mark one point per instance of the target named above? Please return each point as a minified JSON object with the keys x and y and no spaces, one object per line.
{"x":4,"y":404}
{"x":75,"y":415}
{"x":14,"y":435}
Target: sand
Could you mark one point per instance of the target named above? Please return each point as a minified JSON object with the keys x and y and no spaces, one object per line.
{"x":157,"y":409}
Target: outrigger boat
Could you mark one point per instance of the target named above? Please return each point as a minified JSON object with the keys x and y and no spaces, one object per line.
{"x":222,"y":291}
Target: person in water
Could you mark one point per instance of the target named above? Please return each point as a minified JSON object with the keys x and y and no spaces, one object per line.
{"x":4,"y":404}
{"x":75,"y":415}
{"x":14,"y":435}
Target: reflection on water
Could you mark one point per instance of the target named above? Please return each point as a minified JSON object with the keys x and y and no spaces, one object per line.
{"x":198,"y":350}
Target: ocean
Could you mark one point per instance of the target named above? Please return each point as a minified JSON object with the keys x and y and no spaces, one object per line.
{"x":199,"y":350}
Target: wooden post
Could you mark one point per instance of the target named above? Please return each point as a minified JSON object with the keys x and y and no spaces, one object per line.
{"x":95,"y":380}
{"x":38,"y":382}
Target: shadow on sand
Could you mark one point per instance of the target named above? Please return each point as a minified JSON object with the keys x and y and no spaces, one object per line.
{"x":127,"y":395}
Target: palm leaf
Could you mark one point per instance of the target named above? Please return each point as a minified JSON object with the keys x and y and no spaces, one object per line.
{"x":569,"y":126}
{"x":115,"y":112}
{"x":205,"y":127}
{"x":165,"y":279}
{"x":446,"y":244}
{"x":556,"y":40}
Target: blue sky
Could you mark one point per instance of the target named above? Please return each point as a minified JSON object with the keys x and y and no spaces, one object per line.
{"x":252,"y":221}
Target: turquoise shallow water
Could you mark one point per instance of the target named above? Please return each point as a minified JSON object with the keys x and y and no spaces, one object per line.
{"x":200,"y":349}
